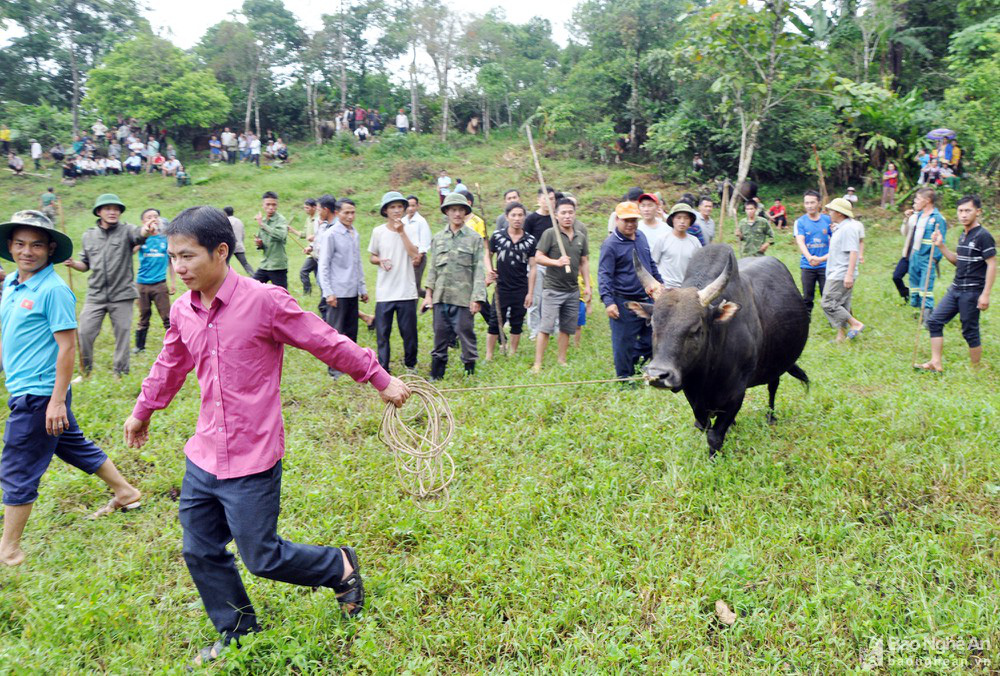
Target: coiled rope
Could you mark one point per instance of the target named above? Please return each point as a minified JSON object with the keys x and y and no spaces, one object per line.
{"x":418,"y":434}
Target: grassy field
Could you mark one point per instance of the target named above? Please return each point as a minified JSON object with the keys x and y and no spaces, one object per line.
{"x":587,"y":532}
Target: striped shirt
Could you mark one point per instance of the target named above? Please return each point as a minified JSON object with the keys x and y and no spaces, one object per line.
{"x":974,"y":248}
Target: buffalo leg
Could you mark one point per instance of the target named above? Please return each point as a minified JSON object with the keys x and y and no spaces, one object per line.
{"x":717,"y":434}
{"x":772,"y":390}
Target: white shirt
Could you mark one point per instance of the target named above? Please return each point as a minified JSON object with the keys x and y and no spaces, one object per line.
{"x":170,"y":165}
{"x":228,"y":139}
{"x":418,"y":231}
{"x":399,"y":282}
{"x":133,"y":161}
{"x":402,"y":121}
{"x":444,"y":184}
{"x":242,"y":142}
{"x":99,"y":129}
{"x":655,"y":233}
{"x":255,"y":146}
{"x":36,"y":150}
{"x":672,"y":255}
{"x":114,"y":163}
{"x":361,"y":131}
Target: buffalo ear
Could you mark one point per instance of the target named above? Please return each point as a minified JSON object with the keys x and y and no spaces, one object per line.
{"x":644,"y":310}
{"x":727,"y":310}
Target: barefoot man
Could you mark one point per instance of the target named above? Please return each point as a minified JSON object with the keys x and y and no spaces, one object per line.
{"x":231,"y":330}
{"x":38,"y":344}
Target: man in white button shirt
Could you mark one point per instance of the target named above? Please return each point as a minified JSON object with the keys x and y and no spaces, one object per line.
{"x":419,"y":233}
{"x":402,"y":122}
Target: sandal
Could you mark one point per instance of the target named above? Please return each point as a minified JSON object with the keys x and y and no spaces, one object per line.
{"x":210,"y":654}
{"x":113,"y":506}
{"x":351,"y":592}
{"x":854,"y":333}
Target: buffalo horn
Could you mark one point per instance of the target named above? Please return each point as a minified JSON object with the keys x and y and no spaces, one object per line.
{"x":712,"y":291}
{"x":649,"y":283}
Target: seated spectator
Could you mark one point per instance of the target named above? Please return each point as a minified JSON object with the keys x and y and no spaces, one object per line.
{"x":15,"y":163}
{"x":100,"y":166}
{"x":171,"y":167}
{"x":133,"y":164}
{"x":778,"y":215}
{"x":114,"y":149}
{"x":57,"y":152}
{"x":269,"y":150}
{"x":362,"y":132}
{"x":114,"y":166}
{"x":280,"y":150}
{"x":931,"y":174}
{"x":157,"y":162}
{"x":136,"y":146}
{"x":171,"y":152}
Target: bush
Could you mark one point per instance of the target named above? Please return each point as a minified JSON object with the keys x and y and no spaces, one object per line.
{"x":46,"y":123}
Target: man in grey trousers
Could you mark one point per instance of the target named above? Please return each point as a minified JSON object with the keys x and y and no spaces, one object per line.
{"x":106,"y":252}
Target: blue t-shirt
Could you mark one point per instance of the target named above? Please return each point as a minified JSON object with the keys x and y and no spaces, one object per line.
{"x":817,"y":236}
{"x":30,"y":313}
{"x":153,"y":260}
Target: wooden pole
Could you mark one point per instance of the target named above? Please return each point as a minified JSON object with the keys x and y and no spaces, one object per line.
{"x":489,"y":266}
{"x":923,"y":293}
{"x":541,"y":185}
{"x":722,"y":211}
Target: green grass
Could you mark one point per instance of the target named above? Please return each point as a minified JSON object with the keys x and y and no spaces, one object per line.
{"x":588,"y":532}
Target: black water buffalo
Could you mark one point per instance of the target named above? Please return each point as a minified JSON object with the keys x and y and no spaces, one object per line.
{"x":728,"y":327}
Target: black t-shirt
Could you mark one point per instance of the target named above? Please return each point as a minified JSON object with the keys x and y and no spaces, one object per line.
{"x":535,"y":224}
{"x":512,"y":261}
{"x":972,"y":251}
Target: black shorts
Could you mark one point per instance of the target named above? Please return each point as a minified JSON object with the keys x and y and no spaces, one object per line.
{"x":512,"y":309}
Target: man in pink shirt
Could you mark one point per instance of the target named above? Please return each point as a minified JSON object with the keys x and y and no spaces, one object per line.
{"x":231,"y":331}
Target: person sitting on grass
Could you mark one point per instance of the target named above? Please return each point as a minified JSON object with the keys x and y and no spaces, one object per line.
{"x":171,"y":167}
{"x":38,"y":346}
{"x":975,"y":271}
{"x":15,"y":163}
{"x":225,"y":325}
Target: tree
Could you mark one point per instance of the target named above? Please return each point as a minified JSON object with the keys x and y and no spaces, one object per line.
{"x":153,"y":80}
{"x":440,"y":32}
{"x":72,"y":35}
{"x":754,"y":62}
{"x":974,"y":100}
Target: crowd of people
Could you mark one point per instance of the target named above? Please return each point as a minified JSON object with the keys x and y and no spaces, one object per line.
{"x":230,"y":147}
{"x":536,"y":260}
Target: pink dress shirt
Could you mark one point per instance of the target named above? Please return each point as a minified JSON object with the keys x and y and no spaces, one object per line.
{"x":236,"y":348}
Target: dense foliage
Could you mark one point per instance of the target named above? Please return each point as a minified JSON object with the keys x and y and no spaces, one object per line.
{"x":751,"y":85}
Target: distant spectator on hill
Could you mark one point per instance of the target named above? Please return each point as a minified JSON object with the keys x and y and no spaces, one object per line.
{"x":15,"y":163}
{"x":36,"y":154}
{"x":171,"y":167}
{"x":890,"y":178}
{"x":402,"y":122}
{"x":778,"y":216}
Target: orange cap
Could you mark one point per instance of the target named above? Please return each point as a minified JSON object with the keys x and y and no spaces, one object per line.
{"x":627,"y":210}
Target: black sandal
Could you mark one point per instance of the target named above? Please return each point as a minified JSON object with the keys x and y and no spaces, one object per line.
{"x":351,"y":592}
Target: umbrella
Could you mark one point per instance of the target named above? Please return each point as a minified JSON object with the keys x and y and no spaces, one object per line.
{"x":941,"y":133}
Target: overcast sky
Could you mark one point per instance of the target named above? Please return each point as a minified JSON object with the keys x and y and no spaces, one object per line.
{"x":184,"y":21}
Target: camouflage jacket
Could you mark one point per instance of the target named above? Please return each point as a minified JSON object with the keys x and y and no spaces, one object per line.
{"x":754,"y":236}
{"x":457,"y":274}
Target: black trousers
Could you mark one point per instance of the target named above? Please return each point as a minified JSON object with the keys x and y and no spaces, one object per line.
{"x":242,"y":258}
{"x":276,"y":277}
{"x":902,"y":267}
{"x":310,"y":265}
{"x":406,"y":320}
{"x":214,"y":512}
{"x":344,"y":317}
{"x":810,"y":280}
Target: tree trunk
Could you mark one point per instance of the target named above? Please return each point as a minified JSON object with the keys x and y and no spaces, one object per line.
{"x":74,"y":66}
{"x":250,"y":96}
{"x":506,"y":99}
{"x":414,"y":100}
{"x":486,"y":117}
{"x":633,"y":105}
{"x":256,"y":113}
{"x":748,"y":143}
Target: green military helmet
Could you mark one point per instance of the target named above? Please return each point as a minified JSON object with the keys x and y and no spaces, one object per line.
{"x":456,"y":198}
{"x":38,"y":220}
{"x":681,"y":208}
{"x":391,"y":197}
{"x":106,"y":199}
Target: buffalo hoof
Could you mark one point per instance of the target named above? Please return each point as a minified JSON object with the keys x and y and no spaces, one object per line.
{"x":771,"y":419}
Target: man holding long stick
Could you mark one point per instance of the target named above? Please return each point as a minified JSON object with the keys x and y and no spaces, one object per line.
{"x":223,"y":328}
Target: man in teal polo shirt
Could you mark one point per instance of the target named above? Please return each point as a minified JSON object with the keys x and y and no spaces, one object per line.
{"x":151,"y":280}
{"x":38,"y":347}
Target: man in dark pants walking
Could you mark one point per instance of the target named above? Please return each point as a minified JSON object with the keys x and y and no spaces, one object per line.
{"x":224,"y":325}
{"x":271,"y":238}
{"x":456,"y":286}
{"x":618,"y":283}
{"x":812,"y":235}
{"x":396,"y":288}
{"x":341,"y":279}
{"x":151,"y":280}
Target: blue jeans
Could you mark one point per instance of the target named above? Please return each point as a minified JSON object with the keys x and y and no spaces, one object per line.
{"x":631,"y":339}
{"x":918,"y":270}
{"x":214,"y":512}
{"x":965,"y":305}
